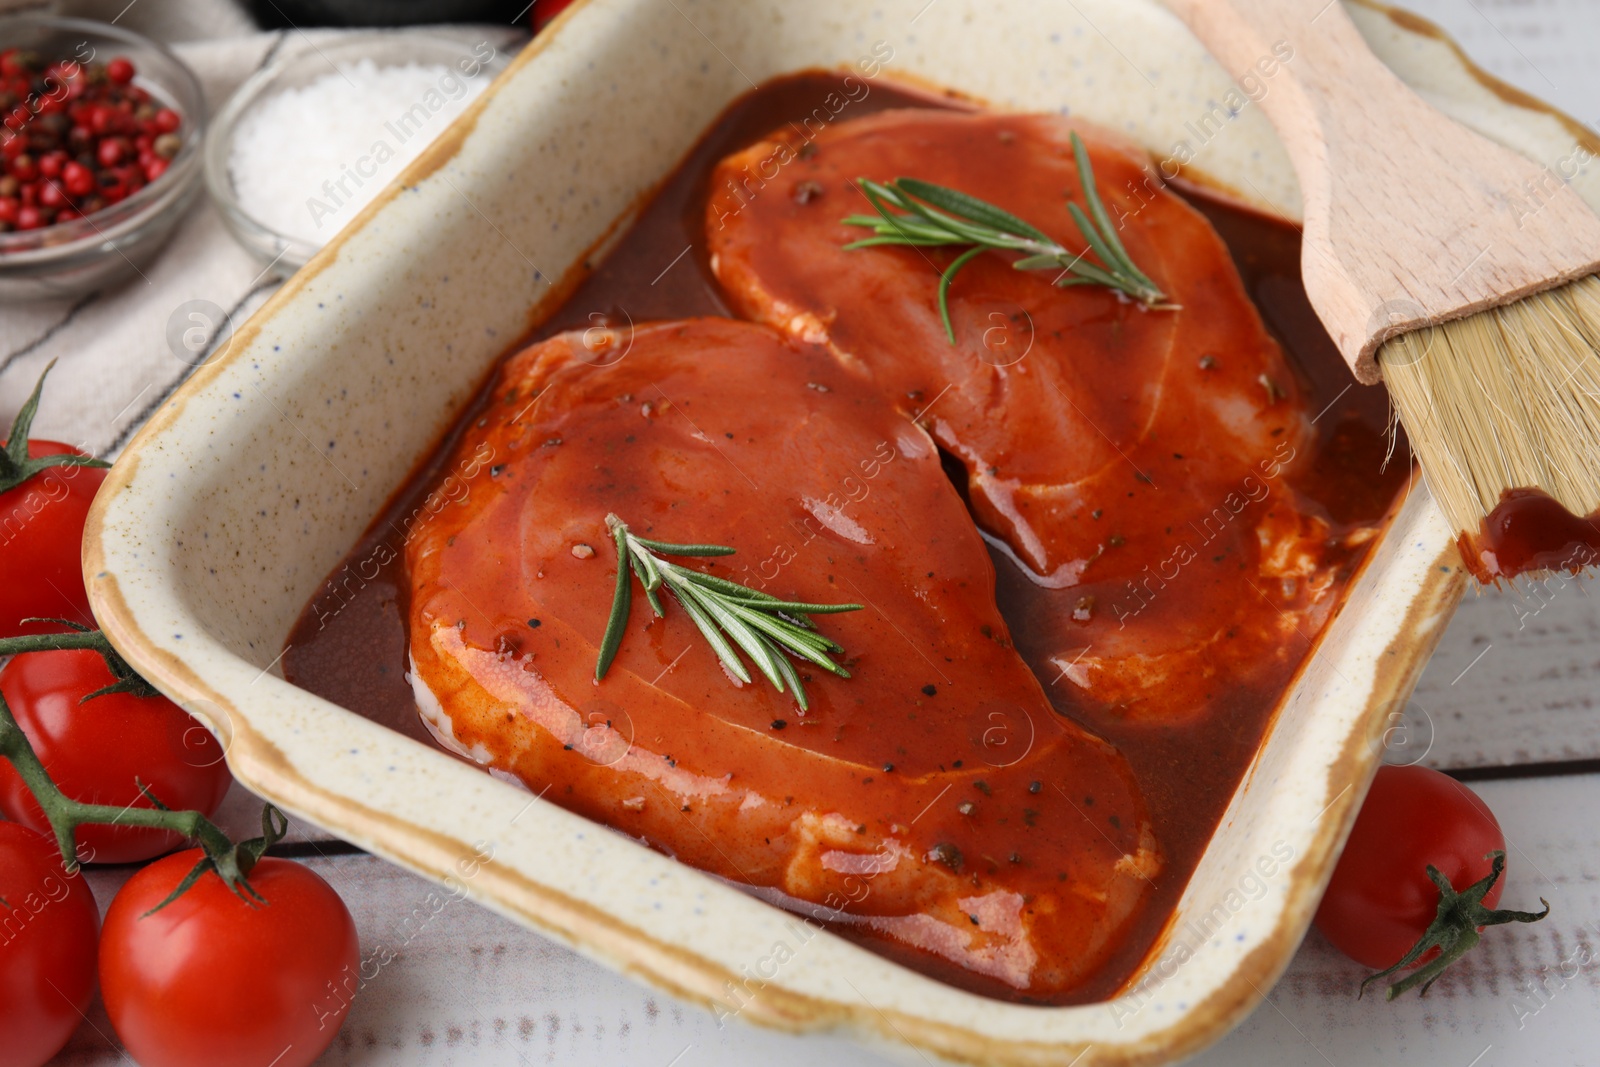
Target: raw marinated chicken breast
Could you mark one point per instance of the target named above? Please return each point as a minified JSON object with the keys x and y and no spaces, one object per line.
{"x":933,"y":801}
{"x":1134,"y":462}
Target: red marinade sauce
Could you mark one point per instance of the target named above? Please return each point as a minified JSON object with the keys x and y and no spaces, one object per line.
{"x":1529,"y":530}
{"x":349,"y":645}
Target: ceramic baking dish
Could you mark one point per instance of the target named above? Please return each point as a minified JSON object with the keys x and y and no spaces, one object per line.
{"x":226,"y":512}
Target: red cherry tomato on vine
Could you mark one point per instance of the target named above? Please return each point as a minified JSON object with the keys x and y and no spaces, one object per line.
{"x":101,"y":750}
{"x":48,"y":926}
{"x":41,"y":539}
{"x":211,"y":980}
{"x":1380,"y":901}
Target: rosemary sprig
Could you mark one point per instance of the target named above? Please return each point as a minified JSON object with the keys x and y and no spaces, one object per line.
{"x":936,"y":216}
{"x":769,"y":630}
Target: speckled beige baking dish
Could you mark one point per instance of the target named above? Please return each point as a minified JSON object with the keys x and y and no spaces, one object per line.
{"x":226,"y":512}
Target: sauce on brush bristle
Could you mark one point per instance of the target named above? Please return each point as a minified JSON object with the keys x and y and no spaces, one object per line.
{"x":1530,"y":531}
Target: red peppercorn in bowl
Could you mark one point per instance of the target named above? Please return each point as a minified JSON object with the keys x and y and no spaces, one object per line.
{"x":100,"y":133}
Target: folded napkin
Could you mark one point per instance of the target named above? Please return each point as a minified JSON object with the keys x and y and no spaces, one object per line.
{"x":114,"y":364}
{"x":122,"y":352}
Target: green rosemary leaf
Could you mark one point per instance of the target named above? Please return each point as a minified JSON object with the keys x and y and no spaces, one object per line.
{"x":825,"y":644}
{"x":904,"y":242}
{"x":791,"y":635}
{"x":1091,"y":193}
{"x":640,"y":571}
{"x":708,"y":627}
{"x":682,"y":550}
{"x":754,"y":597}
{"x":1096,"y":242}
{"x":741,"y":635}
{"x":904,"y":229}
{"x":1047,"y":261}
{"x":792,"y":676}
{"x":798,"y":630}
{"x":956,"y":230}
{"x":723,"y":585}
{"x":979,"y":211}
{"x":730,"y":616}
{"x":1089,"y":274}
{"x":621,"y":606}
{"x":882,"y":198}
{"x":814,"y":654}
{"x":936,"y":215}
{"x":945,"y":279}
{"x":1102,"y":218}
{"x":785,"y":606}
{"x":649,"y":573}
{"x":922,"y":222}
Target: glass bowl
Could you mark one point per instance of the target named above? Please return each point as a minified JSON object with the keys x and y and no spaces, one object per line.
{"x":98,"y":250}
{"x":276,"y":246}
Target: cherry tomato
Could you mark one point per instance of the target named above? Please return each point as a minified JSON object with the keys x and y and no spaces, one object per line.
{"x":48,"y":926}
{"x":1380,"y":901}
{"x":210,"y":980}
{"x":41,"y":537}
{"x":99,"y":751}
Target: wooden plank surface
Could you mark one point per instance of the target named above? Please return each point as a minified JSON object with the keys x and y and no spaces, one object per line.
{"x":466,"y":986}
{"x":1516,"y":680}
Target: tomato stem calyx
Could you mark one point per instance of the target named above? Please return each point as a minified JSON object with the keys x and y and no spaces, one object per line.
{"x":231,"y":862}
{"x":16,"y":466}
{"x":1454,"y":930}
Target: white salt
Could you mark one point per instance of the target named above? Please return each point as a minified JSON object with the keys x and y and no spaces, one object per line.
{"x":305,"y":161}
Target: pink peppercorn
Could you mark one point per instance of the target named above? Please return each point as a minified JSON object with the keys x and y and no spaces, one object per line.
{"x":88,"y":139}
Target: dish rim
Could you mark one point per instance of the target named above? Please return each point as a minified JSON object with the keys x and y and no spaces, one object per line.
{"x":674,"y":967}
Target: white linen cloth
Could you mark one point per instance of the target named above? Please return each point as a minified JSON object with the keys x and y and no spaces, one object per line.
{"x":115,"y":363}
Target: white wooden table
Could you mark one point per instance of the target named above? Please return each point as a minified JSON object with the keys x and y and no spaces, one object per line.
{"x":1509,"y":702}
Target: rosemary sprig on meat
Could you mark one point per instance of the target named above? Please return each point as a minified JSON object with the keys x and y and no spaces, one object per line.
{"x":934,"y":216}
{"x":769,"y":630}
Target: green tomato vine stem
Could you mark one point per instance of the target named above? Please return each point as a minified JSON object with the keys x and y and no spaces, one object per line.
{"x":232,"y":862}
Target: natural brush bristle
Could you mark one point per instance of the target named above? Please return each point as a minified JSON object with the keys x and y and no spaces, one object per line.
{"x":1507,"y":398}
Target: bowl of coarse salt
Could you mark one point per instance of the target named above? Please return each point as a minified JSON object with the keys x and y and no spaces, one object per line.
{"x":306,"y":142}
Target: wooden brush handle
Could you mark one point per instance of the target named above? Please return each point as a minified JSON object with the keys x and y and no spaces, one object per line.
{"x":1409,"y":218}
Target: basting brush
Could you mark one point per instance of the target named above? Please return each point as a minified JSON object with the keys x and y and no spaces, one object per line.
{"x":1456,"y":271}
